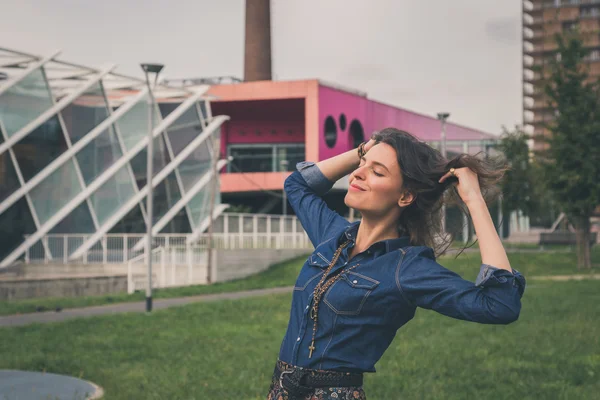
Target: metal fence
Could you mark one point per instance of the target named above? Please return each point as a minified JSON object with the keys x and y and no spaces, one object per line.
{"x":172,"y":266}
{"x":230,"y":231}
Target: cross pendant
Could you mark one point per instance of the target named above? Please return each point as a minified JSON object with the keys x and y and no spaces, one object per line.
{"x":311,"y":348}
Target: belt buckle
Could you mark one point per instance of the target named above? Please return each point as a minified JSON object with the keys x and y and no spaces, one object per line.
{"x":281,"y":377}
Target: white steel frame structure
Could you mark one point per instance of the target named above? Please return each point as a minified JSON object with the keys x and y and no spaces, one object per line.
{"x":91,"y":170}
{"x":160,"y":176}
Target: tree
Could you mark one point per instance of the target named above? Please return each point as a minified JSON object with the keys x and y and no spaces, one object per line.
{"x":517,"y":185}
{"x":522,"y":188}
{"x":571,"y":161}
{"x":545,"y":210}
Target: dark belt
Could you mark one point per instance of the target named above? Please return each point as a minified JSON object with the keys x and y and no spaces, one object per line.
{"x":299,"y":382}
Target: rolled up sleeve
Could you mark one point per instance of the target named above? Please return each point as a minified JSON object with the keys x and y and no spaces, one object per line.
{"x":314,"y":177}
{"x":492,"y":276}
{"x":495,"y":298}
{"x":304,"y":189}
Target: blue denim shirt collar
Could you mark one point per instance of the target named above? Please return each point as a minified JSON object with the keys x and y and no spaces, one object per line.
{"x":378,"y":248}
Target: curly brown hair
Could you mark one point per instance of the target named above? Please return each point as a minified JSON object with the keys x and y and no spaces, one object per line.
{"x":422,"y":166}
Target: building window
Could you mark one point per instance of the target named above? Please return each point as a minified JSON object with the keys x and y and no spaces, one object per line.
{"x":343,"y":122}
{"x":357,"y":133}
{"x":590,"y":12}
{"x":265,"y":157}
{"x":330,"y":131}
{"x":594,"y":55}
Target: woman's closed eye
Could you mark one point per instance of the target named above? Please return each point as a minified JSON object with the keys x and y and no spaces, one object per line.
{"x":362,"y":163}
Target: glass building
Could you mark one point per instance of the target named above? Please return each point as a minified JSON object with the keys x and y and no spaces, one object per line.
{"x":73,"y":155}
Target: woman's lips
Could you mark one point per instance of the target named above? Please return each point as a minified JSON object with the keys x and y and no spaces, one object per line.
{"x":357,"y":188}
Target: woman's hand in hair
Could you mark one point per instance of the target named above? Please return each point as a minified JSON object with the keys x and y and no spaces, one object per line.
{"x":468,"y":184}
{"x":369,"y":144}
{"x":469,"y":190}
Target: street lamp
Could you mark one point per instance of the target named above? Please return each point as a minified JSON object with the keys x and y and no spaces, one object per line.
{"x":283,"y":166}
{"x":150,"y":69}
{"x":443,"y":116}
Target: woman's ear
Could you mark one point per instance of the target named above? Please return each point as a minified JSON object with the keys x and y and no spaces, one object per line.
{"x":406,"y":199}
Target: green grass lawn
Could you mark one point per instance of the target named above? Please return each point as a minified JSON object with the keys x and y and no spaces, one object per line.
{"x":227,"y":350}
{"x":284,"y":274}
{"x":528,"y":263}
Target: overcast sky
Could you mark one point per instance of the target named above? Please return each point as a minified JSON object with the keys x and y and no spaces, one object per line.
{"x":461,"y":56}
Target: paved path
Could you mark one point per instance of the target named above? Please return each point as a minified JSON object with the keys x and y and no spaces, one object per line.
{"x":566,"y":277}
{"x":158,"y":304}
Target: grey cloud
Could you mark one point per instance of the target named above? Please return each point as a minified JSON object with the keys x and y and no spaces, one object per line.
{"x":367,"y":72}
{"x":504,"y":29}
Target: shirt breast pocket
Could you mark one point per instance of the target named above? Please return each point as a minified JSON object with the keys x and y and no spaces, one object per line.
{"x":348,"y":295}
{"x":313,"y":269}
{"x":309,"y":276}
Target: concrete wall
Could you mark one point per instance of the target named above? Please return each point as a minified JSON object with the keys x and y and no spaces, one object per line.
{"x":235,"y":264}
{"x":62,"y":287}
{"x":54,"y":271}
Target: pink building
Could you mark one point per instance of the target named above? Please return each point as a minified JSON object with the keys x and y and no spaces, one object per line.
{"x":271,"y":121}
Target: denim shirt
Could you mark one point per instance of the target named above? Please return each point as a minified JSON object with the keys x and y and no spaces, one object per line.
{"x":361,"y":312}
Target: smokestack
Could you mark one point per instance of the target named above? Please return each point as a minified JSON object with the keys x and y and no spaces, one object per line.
{"x":257,"y":52}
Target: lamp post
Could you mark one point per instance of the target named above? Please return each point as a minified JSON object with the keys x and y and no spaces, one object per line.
{"x":283,"y":166}
{"x":150,"y":69}
{"x":443,"y":116}
{"x":215,"y":156}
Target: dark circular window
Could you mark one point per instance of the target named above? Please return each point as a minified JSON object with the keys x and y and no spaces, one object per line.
{"x":357,"y":134}
{"x":343,"y":122}
{"x":330,"y":131}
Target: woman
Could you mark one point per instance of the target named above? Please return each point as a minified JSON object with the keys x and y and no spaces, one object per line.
{"x":366,"y":279}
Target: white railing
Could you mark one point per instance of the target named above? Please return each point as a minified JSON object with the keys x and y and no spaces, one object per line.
{"x":172,"y":266}
{"x":256,"y":241}
{"x":231,"y":231}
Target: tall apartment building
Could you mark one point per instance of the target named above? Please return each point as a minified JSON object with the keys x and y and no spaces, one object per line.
{"x":542,"y":19}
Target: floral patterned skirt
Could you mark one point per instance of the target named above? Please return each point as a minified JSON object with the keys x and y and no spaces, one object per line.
{"x":276,"y":392}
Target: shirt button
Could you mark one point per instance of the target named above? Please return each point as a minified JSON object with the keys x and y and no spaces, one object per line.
{"x":307,"y":307}
{"x":297,"y":340}
{"x":355,"y":281}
